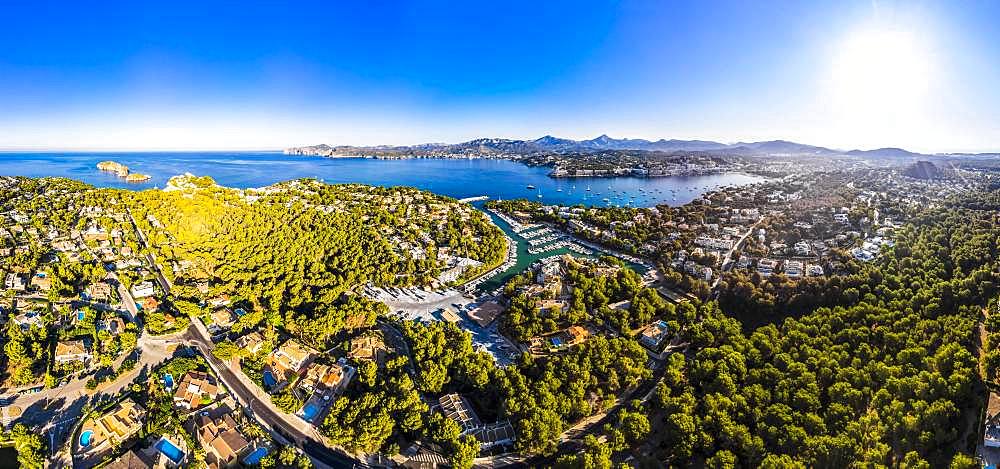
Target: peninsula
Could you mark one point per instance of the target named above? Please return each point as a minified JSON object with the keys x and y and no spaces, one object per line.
{"x":605,"y":156}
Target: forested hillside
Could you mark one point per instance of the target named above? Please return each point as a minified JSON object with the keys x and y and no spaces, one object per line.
{"x":301,"y":244}
{"x":888,"y":376}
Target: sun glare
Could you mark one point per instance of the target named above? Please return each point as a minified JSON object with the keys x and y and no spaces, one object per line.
{"x":881,"y":72}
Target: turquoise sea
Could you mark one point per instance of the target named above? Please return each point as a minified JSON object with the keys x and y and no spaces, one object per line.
{"x":457,"y":178}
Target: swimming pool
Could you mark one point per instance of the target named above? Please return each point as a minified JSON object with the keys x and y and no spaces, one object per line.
{"x":269,"y":380}
{"x":170,"y":450}
{"x":309,"y":411}
{"x":80,"y":315}
{"x":255,"y":457}
{"x":168,"y":380}
{"x":85,"y":438}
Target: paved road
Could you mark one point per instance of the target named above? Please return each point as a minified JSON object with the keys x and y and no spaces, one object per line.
{"x":53,"y":412}
{"x":252,"y":397}
{"x":164,"y":282}
{"x":126,"y":297}
{"x":727,"y":262}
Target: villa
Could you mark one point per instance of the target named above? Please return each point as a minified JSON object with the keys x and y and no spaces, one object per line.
{"x":99,"y":292}
{"x":653,"y":334}
{"x":218,"y":433}
{"x":793,"y":269}
{"x":149,"y":304}
{"x":493,"y":435}
{"x":143,"y":289}
{"x":72,"y":351}
{"x":319,"y":385}
{"x":15,"y":282}
{"x":112,"y":429}
{"x":573,"y":335}
{"x":223,"y":318}
{"x":113,"y":325}
{"x":367,"y":347}
{"x":292,"y":357}
{"x":28,"y":319}
{"x":41,"y":282}
{"x":321,"y":378}
{"x":195,"y":389}
{"x":251,"y":342}
{"x":132,"y":460}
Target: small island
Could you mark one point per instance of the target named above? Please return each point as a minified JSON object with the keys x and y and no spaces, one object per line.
{"x":122,"y":171}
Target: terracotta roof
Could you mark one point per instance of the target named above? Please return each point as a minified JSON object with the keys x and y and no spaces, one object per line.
{"x":193,"y":386}
{"x":366,"y":347}
{"x":291,"y":355}
{"x":71,"y":348}
{"x":218,"y":434}
{"x":131,"y":460}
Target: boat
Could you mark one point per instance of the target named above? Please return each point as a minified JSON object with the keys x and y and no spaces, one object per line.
{"x":607,"y":199}
{"x":558,"y":190}
{"x":588,"y":188}
{"x":530,"y":186}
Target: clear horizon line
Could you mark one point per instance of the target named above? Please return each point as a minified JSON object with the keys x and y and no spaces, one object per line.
{"x":137,"y":150}
{"x":39,"y":149}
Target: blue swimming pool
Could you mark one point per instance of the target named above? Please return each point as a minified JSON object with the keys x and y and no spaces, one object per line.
{"x":170,"y":450}
{"x":255,"y":457}
{"x":80,"y":315}
{"x":269,"y":380}
{"x":168,"y":380}
{"x":85,"y":438}
{"x":309,"y":411}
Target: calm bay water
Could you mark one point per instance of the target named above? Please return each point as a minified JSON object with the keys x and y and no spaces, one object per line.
{"x":452,"y":177}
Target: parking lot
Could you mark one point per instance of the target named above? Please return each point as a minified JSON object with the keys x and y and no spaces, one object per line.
{"x":418,"y":303}
{"x":488,"y":338}
{"x":427,"y":306}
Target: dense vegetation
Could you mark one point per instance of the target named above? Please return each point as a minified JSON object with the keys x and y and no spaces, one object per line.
{"x":296,"y":247}
{"x":595,"y":286}
{"x":879,"y":367}
{"x":881,"y":371}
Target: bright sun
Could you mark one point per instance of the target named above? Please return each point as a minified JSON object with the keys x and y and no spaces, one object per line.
{"x":881,"y":73}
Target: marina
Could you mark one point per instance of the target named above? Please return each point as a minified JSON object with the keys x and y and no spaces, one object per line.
{"x":521,"y":236}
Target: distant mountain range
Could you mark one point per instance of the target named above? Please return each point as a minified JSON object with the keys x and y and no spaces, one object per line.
{"x":550,"y":144}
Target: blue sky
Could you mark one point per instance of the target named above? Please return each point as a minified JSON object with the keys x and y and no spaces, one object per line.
{"x":261,"y":75}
